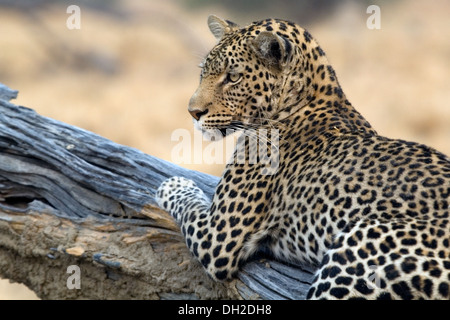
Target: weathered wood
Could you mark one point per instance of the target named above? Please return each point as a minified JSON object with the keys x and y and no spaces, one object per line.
{"x":71,"y":197}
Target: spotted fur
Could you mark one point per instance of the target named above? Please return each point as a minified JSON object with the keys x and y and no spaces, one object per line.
{"x":372,"y":213}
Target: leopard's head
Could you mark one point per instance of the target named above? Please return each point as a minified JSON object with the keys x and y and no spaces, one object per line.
{"x":252,"y":75}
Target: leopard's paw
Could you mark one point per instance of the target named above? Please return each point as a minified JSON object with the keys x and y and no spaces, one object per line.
{"x":174,"y":194}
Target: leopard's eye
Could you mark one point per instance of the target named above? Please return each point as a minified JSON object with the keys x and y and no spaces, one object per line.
{"x":233,"y":77}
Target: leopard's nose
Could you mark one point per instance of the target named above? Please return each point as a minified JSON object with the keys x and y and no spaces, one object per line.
{"x":196,"y":114}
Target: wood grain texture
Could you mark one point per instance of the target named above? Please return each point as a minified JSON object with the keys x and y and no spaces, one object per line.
{"x":71,"y":197}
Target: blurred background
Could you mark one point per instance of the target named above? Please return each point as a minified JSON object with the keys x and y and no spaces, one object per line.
{"x":130,"y":70}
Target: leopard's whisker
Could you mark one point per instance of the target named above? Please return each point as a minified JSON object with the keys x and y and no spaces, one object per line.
{"x":262,"y":120}
{"x":257,"y":135}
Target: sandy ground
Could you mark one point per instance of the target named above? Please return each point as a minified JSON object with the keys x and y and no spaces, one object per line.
{"x":130,"y":80}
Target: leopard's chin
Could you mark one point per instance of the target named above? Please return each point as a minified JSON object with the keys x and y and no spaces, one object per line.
{"x":215,"y":134}
{"x":212,"y":134}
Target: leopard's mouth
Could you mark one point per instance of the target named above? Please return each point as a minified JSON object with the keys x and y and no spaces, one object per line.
{"x":214,"y":129}
{"x":209,"y":132}
{"x":223,"y":131}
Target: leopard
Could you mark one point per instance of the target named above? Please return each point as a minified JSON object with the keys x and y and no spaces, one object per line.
{"x":368,"y":212}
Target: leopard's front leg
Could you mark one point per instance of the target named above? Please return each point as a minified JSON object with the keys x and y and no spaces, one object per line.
{"x":216,"y":234}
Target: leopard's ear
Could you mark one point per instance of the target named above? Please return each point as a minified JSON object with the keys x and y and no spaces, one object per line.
{"x":220,"y":27}
{"x":272,"y":48}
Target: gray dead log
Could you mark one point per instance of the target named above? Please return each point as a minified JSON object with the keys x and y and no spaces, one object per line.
{"x":70,"y":197}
